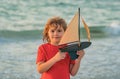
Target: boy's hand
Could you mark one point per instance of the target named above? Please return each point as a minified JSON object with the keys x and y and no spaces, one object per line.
{"x":81,"y":54}
{"x":59,"y":56}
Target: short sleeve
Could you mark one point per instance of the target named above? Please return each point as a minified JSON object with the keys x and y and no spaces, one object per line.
{"x":40,"y":54}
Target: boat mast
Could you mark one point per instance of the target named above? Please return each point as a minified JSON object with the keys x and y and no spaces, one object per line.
{"x":79,"y":25}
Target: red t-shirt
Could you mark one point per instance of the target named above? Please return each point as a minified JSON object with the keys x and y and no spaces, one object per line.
{"x":60,"y":70}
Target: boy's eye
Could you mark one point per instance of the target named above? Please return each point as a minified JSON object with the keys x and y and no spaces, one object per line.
{"x":59,"y":30}
{"x":52,"y":30}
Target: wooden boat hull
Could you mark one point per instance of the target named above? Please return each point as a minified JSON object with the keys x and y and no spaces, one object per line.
{"x":73,"y":48}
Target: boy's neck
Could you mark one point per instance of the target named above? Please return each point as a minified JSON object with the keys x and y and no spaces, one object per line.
{"x":55,"y":44}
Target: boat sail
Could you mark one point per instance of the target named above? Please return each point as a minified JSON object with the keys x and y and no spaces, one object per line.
{"x":70,"y":42}
{"x":71,"y":33}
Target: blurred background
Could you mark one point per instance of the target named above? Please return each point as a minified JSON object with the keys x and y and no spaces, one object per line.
{"x":22,"y":23}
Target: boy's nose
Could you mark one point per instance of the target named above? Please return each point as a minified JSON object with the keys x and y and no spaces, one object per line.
{"x":55,"y":33}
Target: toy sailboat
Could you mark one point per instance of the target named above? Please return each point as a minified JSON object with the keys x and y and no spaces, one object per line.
{"x":70,"y":42}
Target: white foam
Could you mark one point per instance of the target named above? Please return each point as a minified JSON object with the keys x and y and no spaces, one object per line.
{"x":115,"y":27}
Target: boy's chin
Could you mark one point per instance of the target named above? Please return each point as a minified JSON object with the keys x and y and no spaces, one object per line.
{"x":57,"y":41}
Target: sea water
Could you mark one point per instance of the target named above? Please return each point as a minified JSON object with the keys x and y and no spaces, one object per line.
{"x":22,"y":23}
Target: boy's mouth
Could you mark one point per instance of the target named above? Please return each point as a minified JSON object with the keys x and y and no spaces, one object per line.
{"x":56,"y":37}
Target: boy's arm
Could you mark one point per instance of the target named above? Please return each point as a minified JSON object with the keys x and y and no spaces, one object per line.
{"x":45,"y":66}
{"x":75,"y":67}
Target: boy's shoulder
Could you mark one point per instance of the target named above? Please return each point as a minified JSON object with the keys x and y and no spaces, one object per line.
{"x":44,"y":45}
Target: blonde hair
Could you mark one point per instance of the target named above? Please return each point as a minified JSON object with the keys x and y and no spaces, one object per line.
{"x":53,"y":22}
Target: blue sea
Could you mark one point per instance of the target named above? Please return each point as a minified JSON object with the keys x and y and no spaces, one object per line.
{"x":22,"y":23}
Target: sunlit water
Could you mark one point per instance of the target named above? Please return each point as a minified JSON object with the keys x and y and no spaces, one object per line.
{"x":21,"y":25}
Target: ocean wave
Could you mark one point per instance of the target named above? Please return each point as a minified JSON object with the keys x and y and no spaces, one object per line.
{"x":104,"y":31}
{"x":96,"y":32}
{"x":26,"y":34}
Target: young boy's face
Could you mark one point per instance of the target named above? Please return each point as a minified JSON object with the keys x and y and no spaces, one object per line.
{"x":55,"y":34}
